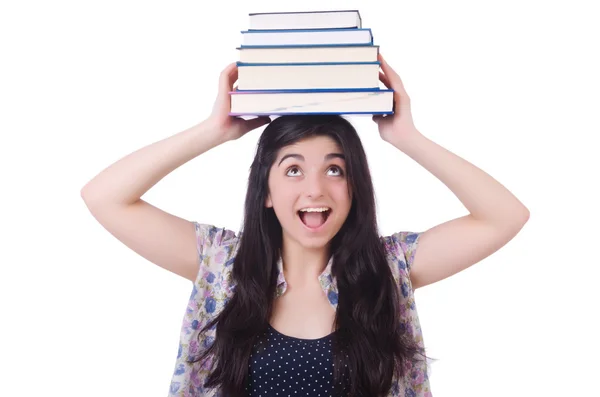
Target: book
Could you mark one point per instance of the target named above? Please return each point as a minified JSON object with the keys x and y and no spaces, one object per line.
{"x":334,"y":19}
{"x":252,"y":76}
{"x":273,"y":103}
{"x":303,"y":37}
{"x":308,"y":54}
{"x":314,"y":62}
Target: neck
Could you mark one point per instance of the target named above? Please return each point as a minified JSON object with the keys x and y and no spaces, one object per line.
{"x":302,"y":266}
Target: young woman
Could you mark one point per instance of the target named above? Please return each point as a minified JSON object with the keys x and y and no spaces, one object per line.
{"x":307,"y":299}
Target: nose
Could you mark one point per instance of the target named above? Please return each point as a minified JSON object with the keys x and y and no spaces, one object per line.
{"x":314,"y":185}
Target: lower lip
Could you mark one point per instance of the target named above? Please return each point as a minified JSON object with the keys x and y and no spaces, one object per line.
{"x":314,"y":229}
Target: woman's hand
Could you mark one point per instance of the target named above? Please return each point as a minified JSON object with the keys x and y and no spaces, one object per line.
{"x":230,"y":127}
{"x":397,"y":127}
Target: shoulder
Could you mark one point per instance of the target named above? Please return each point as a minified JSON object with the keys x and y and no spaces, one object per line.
{"x":211,"y":237}
{"x":216,"y":248}
{"x":400,"y":249}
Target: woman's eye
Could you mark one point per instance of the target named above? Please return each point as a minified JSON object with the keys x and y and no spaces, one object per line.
{"x":338,"y":169}
{"x":292,"y":169}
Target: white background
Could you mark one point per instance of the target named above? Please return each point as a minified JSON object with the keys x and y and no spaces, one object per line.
{"x":510,"y":86}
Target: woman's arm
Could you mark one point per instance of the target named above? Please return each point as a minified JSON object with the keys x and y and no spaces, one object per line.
{"x":114,"y":195}
{"x":496,"y":215}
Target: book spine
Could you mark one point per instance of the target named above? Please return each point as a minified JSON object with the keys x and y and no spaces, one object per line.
{"x":309,"y":90}
{"x":283,"y":46}
{"x":306,"y":63}
{"x":303,"y":30}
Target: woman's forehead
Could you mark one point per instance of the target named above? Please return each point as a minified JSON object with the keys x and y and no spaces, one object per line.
{"x":312,"y":145}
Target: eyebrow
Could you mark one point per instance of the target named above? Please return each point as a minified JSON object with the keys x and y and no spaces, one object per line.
{"x":300,"y":157}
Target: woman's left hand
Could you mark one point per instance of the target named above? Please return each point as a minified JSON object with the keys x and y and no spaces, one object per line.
{"x":398,"y":127}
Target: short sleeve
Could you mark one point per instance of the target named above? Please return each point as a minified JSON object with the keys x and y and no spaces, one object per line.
{"x":408,"y":242}
{"x":402,"y":246}
{"x":215,"y":245}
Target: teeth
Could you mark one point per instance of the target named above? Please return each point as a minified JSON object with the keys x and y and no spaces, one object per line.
{"x":322,"y":209}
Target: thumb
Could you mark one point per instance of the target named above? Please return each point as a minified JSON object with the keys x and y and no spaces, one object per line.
{"x":377,"y":118}
{"x":256,"y":122}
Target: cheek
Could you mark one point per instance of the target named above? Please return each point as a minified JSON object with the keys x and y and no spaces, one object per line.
{"x":283,"y":202}
{"x":341,"y":194}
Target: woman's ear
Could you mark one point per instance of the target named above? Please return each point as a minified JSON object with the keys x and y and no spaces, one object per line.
{"x":268,"y":202}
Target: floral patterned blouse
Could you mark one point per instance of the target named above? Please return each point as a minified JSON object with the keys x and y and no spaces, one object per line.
{"x":213,"y":287}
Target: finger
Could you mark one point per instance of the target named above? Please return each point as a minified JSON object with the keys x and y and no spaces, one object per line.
{"x":256,"y":122}
{"x":378,"y":118}
{"x":233,"y":76}
{"x":387,"y":69}
{"x":383,"y":78}
{"x":391,"y":74}
{"x":225,"y":78}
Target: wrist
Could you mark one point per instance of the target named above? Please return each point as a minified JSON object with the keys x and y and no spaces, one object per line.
{"x":212,"y":130}
{"x":408,"y":140}
{"x":207,"y":134}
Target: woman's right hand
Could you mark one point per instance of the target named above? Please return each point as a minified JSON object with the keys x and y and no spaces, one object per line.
{"x":230,"y":127}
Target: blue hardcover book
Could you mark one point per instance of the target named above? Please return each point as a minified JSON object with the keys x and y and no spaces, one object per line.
{"x":334,"y":19}
{"x":304,"y":37}
{"x":326,"y":75}
{"x":308,"y":53}
{"x":340,"y":101}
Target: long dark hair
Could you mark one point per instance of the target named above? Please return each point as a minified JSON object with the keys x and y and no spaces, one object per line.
{"x":369,"y":338}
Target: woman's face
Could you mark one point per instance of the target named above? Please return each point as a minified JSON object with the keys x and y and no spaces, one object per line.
{"x":310,"y":174}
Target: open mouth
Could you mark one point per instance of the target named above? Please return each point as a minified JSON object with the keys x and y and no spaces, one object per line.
{"x":314,"y":220}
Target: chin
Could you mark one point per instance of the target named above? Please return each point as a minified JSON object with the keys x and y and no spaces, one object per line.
{"x":314,"y":243}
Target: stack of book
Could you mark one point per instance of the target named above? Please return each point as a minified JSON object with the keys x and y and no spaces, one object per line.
{"x":316,"y":62}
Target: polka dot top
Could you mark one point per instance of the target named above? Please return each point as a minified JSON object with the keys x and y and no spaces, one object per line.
{"x":282,"y":365}
{"x":214,"y":285}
